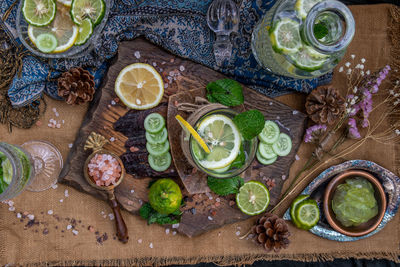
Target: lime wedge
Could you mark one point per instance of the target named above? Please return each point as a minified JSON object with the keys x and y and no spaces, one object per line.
{"x":303,"y":7}
{"x":7,"y":171}
{"x":253,"y":198}
{"x":46,"y":42}
{"x":285,"y":36}
{"x":85,"y":31}
{"x":305,"y":59}
{"x":307,"y":214}
{"x":39,"y":12}
{"x":92,"y":9}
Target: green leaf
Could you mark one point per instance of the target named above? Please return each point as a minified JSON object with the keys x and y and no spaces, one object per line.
{"x":145,"y":211}
{"x":152,"y":216}
{"x":226,"y":92}
{"x":239,"y":160}
{"x":225,"y":186}
{"x":250,"y":123}
{"x":320,"y":30}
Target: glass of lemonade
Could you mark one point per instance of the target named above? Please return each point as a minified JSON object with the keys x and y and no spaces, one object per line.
{"x":230,"y":154}
{"x":303,"y":38}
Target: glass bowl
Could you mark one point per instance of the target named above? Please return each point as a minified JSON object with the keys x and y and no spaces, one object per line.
{"x":74,"y":51}
{"x":249,"y":148}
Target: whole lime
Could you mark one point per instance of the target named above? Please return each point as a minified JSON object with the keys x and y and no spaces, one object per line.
{"x":165,"y":196}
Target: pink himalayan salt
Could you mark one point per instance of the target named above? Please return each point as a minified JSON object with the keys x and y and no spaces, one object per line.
{"x":104,"y":169}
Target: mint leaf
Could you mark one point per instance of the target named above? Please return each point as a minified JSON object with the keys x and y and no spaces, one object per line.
{"x":152,"y":216}
{"x":320,"y":30}
{"x":226,"y":92}
{"x":249,"y":123}
{"x":225,"y":186}
{"x":239,"y":160}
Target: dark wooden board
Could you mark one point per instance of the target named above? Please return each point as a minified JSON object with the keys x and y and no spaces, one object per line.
{"x":201,"y":213}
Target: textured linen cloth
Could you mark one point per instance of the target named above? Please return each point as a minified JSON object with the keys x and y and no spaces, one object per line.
{"x":50,"y":242}
{"x":179,"y":26}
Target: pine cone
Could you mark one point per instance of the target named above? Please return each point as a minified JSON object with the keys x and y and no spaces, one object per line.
{"x":325,"y":105}
{"x":76,"y":86}
{"x":272,"y":232}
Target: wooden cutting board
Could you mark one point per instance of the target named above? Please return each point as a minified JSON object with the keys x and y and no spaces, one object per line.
{"x":203,"y":211}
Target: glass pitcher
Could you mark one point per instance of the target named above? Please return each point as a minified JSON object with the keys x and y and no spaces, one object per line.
{"x":303,"y":38}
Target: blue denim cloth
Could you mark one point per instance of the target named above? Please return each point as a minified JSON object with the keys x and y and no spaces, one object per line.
{"x":177,"y":25}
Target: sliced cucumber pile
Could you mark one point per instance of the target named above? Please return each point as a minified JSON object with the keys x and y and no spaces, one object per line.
{"x":157,"y":142}
{"x":272,"y":144}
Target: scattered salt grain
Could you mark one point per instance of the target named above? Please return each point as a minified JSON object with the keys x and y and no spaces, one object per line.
{"x":176,"y":225}
{"x":66,"y":193}
{"x":70,"y":145}
{"x":54,"y":186}
{"x":50,"y":212}
{"x":294,"y":112}
{"x":61,"y":200}
{"x":137,"y":54}
{"x":54,"y":110}
{"x":140,"y":241}
{"x":165,"y":85}
{"x":210,"y":218}
{"x":111,"y":216}
{"x":19,"y":215}
{"x":218,"y":199}
{"x":174,"y":233}
{"x":151,"y":245}
{"x":283,"y":177}
{"x":181,"y":68}
{"x":154,"y":64}
{"x":31,"y":217}
{"x":130,"y":202}
{"x":340,"y":69}
{"x":140,"y":201}
{"x":363,"y":60}
{"x":167,"y":231}
{"x":278,"y":117}
{"x":113,"y":102}
{"x":132,"y":191}
{"x":353,"y":56}
{"x":11,"y":208}
{"x":112,"y":139}
{"x":270,"y":103}
{"x":237,"y":233}
{"x":347,"y":64}
{"x":57,"y":114}
{"x":75,"y":232}
{"x":297,"y":157}
{"x":69,"y":227}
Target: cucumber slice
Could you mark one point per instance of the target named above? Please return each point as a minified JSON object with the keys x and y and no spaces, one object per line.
{"x":293,"y":206}
{"x":154,"y":123}
{"x":266,"y":151}
{"x":46,"y":42}
{"x":158,"y":138}
{"x":222,"y":170}
{"x":160,"y":163}
{"x":270,"y":133}
{"x":157,"y":149}
{"x":265,"y":161}
{"x":283,"y":145}
{"x":307,"y":214}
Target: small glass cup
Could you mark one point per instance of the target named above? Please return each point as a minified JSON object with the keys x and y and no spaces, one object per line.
{"x":21,"y":165}
{"x":249,"y":147}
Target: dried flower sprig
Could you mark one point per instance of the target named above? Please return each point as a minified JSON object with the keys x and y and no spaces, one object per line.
{"x":362,"y":86}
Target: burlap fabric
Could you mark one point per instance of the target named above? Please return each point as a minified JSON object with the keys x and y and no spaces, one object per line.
{"x":50,"y":242}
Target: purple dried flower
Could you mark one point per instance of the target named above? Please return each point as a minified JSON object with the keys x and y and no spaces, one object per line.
{"x":353,"y":130}
{"x":314,"y":132}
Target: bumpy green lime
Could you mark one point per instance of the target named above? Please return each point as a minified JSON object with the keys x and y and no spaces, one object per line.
{"x":165,"y":196}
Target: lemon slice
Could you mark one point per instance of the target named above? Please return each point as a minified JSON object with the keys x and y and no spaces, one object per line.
{"x":223,"y":138}
{"x":139,"y":86}
{"x":66,"y":3}
{"x":65,"y":31}
{"x":186,"y":126}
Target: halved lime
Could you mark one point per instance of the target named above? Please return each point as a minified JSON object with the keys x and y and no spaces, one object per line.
{"x":253,"y":198}
{"x":154,"y":122}
{"x":307,"y":214}
{"x":39,"y":12}
{"x":223,"y":138}
{"x":85,"y":31}
{"x":265,"y":161}
{"x":270,"y":132}
{"x":160,"y":163}
{"x":303,"y":7}
{"x":283,"y":145}
{"x":293,"y":206}
{"x":158,"y":138}
{"x":92,"y":9}
{"x":157,"y":149}
{"x":285,"y":36}
{"x":7,"y":171}
{"x":307,"y":60}
{"x":46,"y":42}
{"x":266,"y":151}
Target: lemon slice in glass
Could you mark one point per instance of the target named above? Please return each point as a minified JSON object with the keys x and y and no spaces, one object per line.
{"x":223,"y":138}
{"x":139,"y":86}
{"x":65,"y":31}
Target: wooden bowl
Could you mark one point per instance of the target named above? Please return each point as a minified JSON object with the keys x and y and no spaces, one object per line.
{"x":364,"y":228}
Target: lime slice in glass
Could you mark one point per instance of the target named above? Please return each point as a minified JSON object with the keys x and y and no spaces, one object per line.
{"x":253,"y":198}
{"x":303,"y":7}
{"x":307,"y":59}
{"x":39,"y":12}
{"x":307,"y":214}
{"x":285,"y":36}
{"x":7,"y":171}
{"x":85,"y":31}
{"x":46,"y":42}
{"x":92,"y":9}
